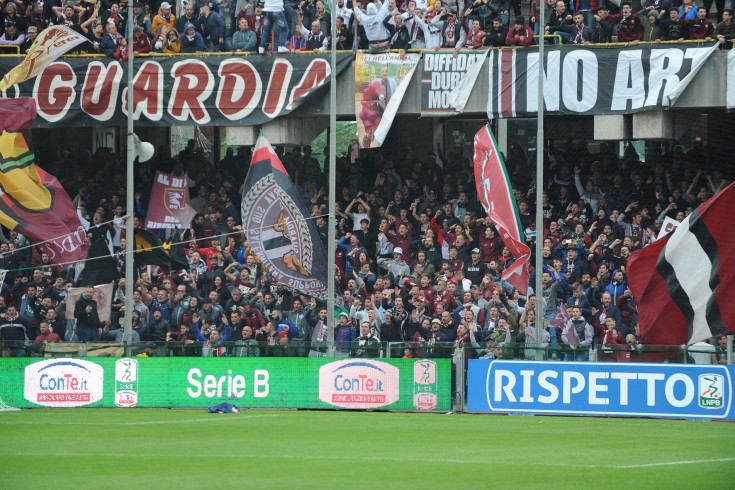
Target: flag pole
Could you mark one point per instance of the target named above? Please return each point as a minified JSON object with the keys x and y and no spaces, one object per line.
{"x":332,"y":179}
{"x":129,"y":201}
{"x":538,"y":264}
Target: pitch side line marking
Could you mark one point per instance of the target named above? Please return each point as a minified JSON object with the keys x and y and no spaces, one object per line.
{"x":669,"y":463}
{"x":153,"y":422}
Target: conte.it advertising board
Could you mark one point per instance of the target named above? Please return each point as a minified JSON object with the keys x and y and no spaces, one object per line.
{"x":390,"y":384}
{"x":601,"y":389}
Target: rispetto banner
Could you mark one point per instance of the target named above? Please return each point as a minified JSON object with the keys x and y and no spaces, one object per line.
{"x":172,"y":90}
{"x":601,"y":389}
{"x":389,"y":384}
{"x":592,"y":80}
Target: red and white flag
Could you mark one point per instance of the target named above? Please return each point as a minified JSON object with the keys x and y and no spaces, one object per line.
{"x":496,"y":196}
{"x":684,"y":283}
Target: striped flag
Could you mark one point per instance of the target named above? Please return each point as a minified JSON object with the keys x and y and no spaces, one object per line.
{"x":684,"y":282}
{"x":496,"y":196}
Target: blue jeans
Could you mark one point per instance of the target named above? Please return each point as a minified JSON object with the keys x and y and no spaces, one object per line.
{"x":225,"y":47}
{"x":279,"y":19}
{"x":86,"y":334}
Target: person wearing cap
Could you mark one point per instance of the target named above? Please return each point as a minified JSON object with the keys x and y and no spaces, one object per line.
{"x":163,"y":18}
{"x":452,"y":32}
{"x":141,"y":19}
{"x":149,"y":351}
{"x":213,"y":26}
{"x":397,"y":267}
{"x":158,"y":327}
{"x":256,"y":19}
{"x":520,"y":34}
{"x":475,"y":270}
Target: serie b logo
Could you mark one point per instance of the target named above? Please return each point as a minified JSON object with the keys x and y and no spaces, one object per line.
{"x":711,"y":390}
{"x":126,"y":382}
{"x":424,"y":385}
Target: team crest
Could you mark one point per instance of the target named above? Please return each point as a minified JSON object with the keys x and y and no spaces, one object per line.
{"x":279,"y":235}
{"x":173,"y":199}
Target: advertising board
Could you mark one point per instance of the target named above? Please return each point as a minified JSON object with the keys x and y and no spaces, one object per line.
{"x":389,"y":384}
{"x":601,"y":389}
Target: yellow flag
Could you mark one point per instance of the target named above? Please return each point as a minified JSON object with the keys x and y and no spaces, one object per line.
{"x":48,"y":46}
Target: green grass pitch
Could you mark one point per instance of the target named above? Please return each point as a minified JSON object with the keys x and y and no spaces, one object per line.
{"x":180,"y":449}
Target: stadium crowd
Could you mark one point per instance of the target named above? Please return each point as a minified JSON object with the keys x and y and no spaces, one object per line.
{"x":305,"y":25}
{"x":416,"y":259}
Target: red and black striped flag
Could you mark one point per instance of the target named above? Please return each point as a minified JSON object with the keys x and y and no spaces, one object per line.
{"x":684,"y":282}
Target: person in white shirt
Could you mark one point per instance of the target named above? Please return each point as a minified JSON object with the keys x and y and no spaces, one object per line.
{"x":372,"y":20}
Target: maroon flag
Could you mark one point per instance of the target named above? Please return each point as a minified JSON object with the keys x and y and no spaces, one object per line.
{"x":32,"y":201}
{"x":169,"y":205}
{"x":562,"y":321}
{"x":496,"y":195}
{"x":685,"y":282}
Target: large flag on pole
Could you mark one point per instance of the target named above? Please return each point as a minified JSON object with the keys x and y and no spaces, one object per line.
{"x":278,"y":226}
{"x":53,"y":42}
{"x":31,"y":200}
{"x":496,"y":196}
{"x":684,"y":283}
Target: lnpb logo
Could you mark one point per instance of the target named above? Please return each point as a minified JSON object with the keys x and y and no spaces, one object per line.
{"x":711,"y":390}
{"x":126,"y":382}
{"x":63,"y":383}
{"x":424,"y":385}
{"x":359,"y":384}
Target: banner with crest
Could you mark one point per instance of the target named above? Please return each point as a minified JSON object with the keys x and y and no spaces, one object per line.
{"x":169,"y":205}
{"x":381,"y":80}
{"x":280,"y":231}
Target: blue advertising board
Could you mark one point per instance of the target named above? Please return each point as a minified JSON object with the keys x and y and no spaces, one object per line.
{"x":601,"y":389}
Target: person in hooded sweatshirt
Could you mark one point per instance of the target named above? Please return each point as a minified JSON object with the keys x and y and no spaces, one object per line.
{"x":192,"y":41}
{"x":372,"y":20}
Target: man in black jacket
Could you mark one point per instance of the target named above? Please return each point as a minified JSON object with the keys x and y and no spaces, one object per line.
{"x":13,"y":332}
{"x":86,"y":314}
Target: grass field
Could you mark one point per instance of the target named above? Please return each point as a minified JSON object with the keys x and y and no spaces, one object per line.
{"x":179,"y":449}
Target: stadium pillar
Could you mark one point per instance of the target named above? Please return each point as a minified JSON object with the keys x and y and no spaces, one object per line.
{"x":538,"y":265}
{"x":332,"y":180}
{"x":129,"y":192}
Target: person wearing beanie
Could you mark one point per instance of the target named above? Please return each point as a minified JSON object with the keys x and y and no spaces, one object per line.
{"x":520,"y":34}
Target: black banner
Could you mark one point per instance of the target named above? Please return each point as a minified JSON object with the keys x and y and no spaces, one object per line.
{"x":592,"y":80}
{"x":208,"y":90}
